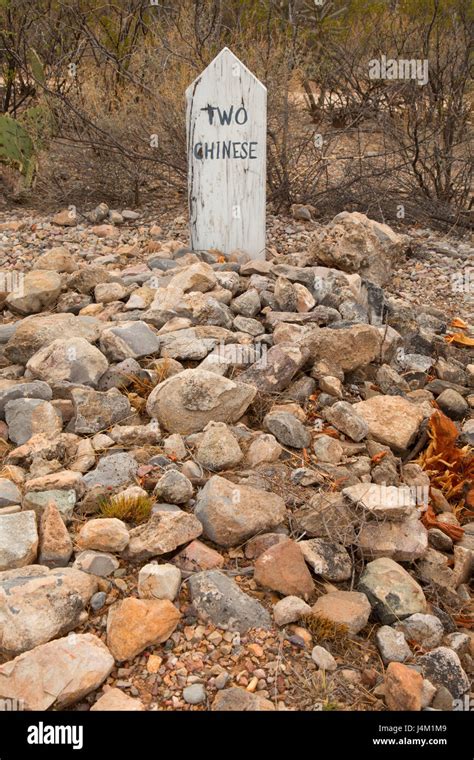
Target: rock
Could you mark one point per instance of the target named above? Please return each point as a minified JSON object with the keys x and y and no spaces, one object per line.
{"x":393,"y":593}
{"x":248,"y":325}
{"x":9,"y":493}
{"x":219,"y":600}
{"x":236,"y":699}
{"x":135,"y":624}
{"x":186,"y":402}
{"x":129,"y":340}
{"x":174,"y":446}
{"x":174,"y":488}
{"x":187,"y":345}
{"x":403,"y":688}
{"x":194,"y":694}
{"x":434,"y":570}
{"x":290,"y":610}
{"x":18,"y":540}
{"x":439,"y":540}
{"x":288,"y":430}
{"x":159,"y":582}
{"x":115,"y":700}
{"x":344,"y":418}
{"x":197,"y":556}
{"x":405,"y":541}
{"x":274,"y":372}
{"x":453,"y":404}
{"x":323,"y":659}
{"x":36,"y":332}
{"x":443,"y":699}
{"x":264,"y":448}
{"x":136,"y":435}
{"x":39,"y":290}
{"x":27,"y":416}
{"x":65,"y":218}
{"x":73,"y":360}
{"x":327,"y":516}
{"x":348,"y":608}
{"x":392,"y":645}
{"x":218,"y":448}
{"x":392,"y":420}
{"x":96,"y":563}
{"x":248,"y":304}
{"x":426,"y":630}
{"x":427,"y":693}
{"x":327,"y":449}
{"x":38,"y":604}
{"x":112,"y":470}
{"x":198,"y":277}
{"x":331,"y":385}
{"x":458,"y":642}
{"x":85,"y":280}
{"x":305,"y":301}
{"x":35,"y":389}
{"x":261,"y":542}
{"x":326,"y":558}
{"x":163,"y":533}
{"x":354,"y":243}
{"x":55,"y":545}
{"x":231,"y":512}
{"x":62,"y":481}
{"x":285,"y":295}
{"x":119,"y":375}
{"x":65,"y":671}
{"x":98,"y":600}
{"x":57,"y":259}
{"x":108,"y":292}
{"x":349,"y":348}
{"x":443,"y":667}
{"x":382,"y":501}
{"x":129,"y":215}
{"x":107,"y":534}
{"x":282,"y":568}
{"x":95,"y":411}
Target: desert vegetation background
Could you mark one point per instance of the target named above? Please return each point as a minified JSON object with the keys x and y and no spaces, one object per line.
{"x":92,"y":101}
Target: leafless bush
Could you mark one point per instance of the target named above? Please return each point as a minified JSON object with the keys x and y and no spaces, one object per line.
{"x":115,"y":75}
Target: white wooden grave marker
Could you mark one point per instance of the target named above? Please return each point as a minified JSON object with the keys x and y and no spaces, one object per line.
{"x":226,"y":136}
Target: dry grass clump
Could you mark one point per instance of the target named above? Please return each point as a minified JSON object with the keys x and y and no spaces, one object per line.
{"x":133,"y":509}
{"x":324,"y":629}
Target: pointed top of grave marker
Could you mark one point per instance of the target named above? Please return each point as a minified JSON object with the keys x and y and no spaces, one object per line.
{"x":224,"y":61}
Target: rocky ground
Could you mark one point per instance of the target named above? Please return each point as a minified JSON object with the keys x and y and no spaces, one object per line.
{"x":231,"y":484}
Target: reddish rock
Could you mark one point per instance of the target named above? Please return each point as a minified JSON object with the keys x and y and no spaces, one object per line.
{"x":283,"y":568}
{"x":197,"y":556}
{"x":55,"y":545}
{"x":258,"y":544}
{"x":349,"y":608}
{"x":403,"y":688}
{"x":135,"y":624}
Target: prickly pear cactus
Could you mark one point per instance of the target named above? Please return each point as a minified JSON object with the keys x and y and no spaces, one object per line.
{"x":16,"y":147}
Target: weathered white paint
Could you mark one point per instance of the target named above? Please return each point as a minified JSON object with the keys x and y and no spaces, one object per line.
{"x":227,"y":126}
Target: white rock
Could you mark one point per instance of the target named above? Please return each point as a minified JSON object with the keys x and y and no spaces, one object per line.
{"x":289,"y":610}
{"x":323,"y":659}
{"x":159,"y":582}
{"x":18,"y":539}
